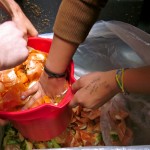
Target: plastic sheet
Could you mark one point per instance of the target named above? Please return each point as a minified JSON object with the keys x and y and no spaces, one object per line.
{"x":111,"y":45}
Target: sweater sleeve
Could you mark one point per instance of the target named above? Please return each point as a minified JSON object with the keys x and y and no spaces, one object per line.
{"x":75,"y":19}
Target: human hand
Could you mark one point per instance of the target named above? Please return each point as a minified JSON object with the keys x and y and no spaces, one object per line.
{"x":22,"y":22}
{"x":50,"y":87}
{"x":94,"y":89}
{"x":12,"y":46}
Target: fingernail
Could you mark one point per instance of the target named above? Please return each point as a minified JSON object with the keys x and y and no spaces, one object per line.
{"x":22,"y":97}
{"x":23,"y":108}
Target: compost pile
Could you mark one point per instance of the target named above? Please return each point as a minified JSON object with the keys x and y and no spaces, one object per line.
{"x":84,"y":130}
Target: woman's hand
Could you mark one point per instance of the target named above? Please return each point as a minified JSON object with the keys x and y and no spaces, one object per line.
{"x":12,"y":46}
{"x":91,"y":91}
{"x":45,"y":86}
{"x":94,"y":89}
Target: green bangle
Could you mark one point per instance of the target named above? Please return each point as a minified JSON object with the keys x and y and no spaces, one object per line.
{"x":52,"y":74}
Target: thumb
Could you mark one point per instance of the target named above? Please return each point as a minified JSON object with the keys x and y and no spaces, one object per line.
{"x":25,"y":25}
{"x":31,"y":31}
{"x":73,"y":102}
{"x":75,"y":87}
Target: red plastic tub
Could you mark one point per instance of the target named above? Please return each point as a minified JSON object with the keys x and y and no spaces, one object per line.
{"x":46,"y":121}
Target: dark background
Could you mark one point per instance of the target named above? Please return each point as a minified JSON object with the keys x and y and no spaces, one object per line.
{"x":42,"y":13}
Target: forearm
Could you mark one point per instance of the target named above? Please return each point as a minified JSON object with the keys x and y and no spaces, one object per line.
{"x":60,"y":55}
{"x":73,"y":22}
{"x":137,"y":80}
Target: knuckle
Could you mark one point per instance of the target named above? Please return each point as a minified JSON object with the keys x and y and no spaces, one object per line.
{"x":77,"y":98}
{"x":25,"y":53}
{"x":33,"y":88}
{"x":39,"y":95}
{"x":11,"y":23}
{"x":81,"y":81}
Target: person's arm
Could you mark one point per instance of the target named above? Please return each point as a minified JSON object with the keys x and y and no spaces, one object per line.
{"x":95,"y":89}
{"x":13,"y":42}
{"x":73,"y":23}
{"x":137,"y":80}
{"x":75,"y":19}
{"x":13,"y":48}
{"x":61,"y":53}
{"x":19,"y":17}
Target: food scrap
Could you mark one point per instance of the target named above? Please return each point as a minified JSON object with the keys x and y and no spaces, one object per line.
{"x":84,"y":130}
{"x":17,"y":80}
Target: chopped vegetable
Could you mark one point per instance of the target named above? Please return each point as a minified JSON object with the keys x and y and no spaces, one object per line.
{"x":114,"y":136}
{"x":14,"y":140}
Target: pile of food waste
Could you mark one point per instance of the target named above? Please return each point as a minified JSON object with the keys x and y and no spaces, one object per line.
{"x":84,"y":130}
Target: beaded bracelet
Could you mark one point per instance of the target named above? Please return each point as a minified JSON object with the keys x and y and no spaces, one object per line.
{"x":52,"y":74}
{"x":119,"y":79}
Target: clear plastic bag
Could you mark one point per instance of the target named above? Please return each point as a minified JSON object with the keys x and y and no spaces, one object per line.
{"x":111,"y":45}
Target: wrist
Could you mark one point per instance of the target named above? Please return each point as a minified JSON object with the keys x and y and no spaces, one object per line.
{"x":120,"y":80}
{"x":111,"y":82}
{"x":56,"y":68}
{"x":114,"y":83}
{"x":52,"y":74}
